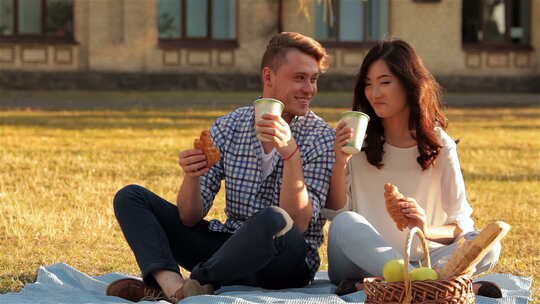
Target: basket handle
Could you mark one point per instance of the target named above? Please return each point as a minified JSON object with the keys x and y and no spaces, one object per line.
{"x":407,"y":279}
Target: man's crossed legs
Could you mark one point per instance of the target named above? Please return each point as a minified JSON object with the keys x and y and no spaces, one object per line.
{"x":267,"y":251}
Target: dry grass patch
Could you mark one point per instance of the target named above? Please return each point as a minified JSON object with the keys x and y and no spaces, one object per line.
{"x":60,"y":170}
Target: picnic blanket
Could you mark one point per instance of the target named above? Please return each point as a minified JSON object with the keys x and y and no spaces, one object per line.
{"x":61,"y":283}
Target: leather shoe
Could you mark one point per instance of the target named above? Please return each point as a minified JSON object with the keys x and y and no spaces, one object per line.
{"x":347,"y":286}
{"x":489,"y":289}
{"x":134,"y":290}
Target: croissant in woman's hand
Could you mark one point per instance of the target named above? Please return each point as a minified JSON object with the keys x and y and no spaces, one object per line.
{"x":392,"y":196}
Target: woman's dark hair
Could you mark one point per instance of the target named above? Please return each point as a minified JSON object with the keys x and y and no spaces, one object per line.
{"x":423,"y":98}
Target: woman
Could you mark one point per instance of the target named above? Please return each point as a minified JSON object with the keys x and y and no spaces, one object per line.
{"x":405,"y":145}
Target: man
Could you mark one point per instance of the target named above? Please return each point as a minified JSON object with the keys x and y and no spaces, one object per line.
{"x":275,"y":190}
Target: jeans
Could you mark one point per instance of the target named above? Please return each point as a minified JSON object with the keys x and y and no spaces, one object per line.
{"x":356,"y":250}
{"x":268,"y":251}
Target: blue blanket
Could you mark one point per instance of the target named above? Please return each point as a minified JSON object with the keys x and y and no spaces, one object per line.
{"x":60,"y":283}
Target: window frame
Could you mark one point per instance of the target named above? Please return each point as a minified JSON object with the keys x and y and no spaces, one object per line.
{"x":41,"y":38}
{"x":199,"y":42}
{"x":496,"y":46}
{"x":350,"y":44}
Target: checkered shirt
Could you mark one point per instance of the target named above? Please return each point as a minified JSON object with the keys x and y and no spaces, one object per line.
{"x":240,"y":166}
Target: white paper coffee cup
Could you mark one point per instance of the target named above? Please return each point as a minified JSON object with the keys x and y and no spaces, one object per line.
{"x":357,"y":121}
{"x":266,"y":106}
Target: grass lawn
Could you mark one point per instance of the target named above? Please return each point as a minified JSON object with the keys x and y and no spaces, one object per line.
{"x":60,"y":169}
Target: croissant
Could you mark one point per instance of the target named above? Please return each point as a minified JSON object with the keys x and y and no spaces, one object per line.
{"x":391,"y":192}
{"x":206,"y":144}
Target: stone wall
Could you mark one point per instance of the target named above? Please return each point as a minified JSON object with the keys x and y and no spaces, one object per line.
{"x":231,"y":82}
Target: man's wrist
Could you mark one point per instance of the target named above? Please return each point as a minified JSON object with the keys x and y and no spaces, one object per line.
{"x":292,"y":154}
{"x":289,"y":150}
{"x":286,"y":151}
{"x":191,"y":179}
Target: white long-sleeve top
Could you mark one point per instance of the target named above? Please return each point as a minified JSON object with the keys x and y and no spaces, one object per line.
{"x":440,"y":189}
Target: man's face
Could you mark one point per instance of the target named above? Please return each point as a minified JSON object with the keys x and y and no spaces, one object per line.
{"x":294,"y":83}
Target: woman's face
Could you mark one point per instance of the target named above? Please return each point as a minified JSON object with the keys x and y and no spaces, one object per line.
{"x":385,"y":92}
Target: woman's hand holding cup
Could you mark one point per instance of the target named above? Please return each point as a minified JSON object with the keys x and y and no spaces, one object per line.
{"x":350,"y":134}
{"x":343,"y":135}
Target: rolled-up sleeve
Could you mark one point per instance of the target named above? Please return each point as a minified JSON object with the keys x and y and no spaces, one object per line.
{"x":454,"y":197}
{"x":210,"y":183}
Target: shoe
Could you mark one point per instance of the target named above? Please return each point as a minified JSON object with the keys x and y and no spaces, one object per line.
{"x":346,"y":286}
{"x":135,"y":290}
{"x":192,"y":288}
{"x":489,"y":289}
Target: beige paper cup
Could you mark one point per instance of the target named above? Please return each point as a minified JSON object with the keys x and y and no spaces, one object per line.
{"x":266,"y":106}
{"x":357,"y":121}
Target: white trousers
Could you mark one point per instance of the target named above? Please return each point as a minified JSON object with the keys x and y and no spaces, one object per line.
{"x":356,"y":250}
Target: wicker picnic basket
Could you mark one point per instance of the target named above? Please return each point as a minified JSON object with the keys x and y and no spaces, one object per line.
{"x":454,"y":290}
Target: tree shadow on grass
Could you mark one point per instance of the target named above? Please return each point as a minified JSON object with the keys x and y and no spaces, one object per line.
{"x":119,"y":100}
{"x":492,"y":116}
{"x":95,"y":121}
{"x":469,"y":177}
{"x":490,"y":147}
{"x":519,"y":127}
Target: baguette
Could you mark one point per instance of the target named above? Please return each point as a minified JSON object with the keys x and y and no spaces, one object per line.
{"x":470,"y":253}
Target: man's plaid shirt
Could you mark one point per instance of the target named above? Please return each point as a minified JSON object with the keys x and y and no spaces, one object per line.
{"x":240,"y":166}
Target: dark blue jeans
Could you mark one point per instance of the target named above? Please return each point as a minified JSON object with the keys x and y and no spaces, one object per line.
{"x":267,"y":251}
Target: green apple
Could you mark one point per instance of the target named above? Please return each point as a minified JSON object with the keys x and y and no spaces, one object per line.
{"x":423,"y":273}
{"x":393,"y":270}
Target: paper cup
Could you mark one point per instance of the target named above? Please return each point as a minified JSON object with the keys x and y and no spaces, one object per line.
{"x":357,"y":121}
{"x":266,"y":106}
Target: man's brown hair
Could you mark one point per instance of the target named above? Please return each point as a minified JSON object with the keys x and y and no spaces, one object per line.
{"x":281,"y":43}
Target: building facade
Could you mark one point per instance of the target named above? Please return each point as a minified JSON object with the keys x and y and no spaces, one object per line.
{"x":202,"y":44}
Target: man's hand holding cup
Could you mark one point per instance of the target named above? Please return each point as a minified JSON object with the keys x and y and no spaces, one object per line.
{"x":270,"y":126}
{"x":273,"y":129}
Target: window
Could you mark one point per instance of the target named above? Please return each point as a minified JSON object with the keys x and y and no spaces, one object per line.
{"x":36,"y":20}
{"x":197,"y":23}
{"x":496,"y":23}
{"x":346,"y":21}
